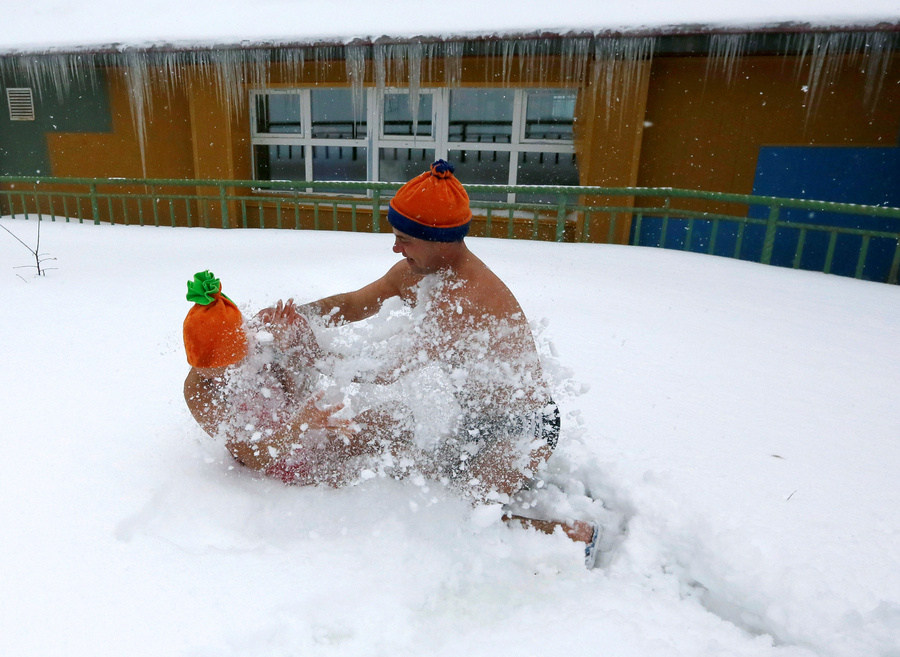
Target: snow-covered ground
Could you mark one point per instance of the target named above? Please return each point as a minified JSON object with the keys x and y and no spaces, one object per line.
{"x":58,"y":24}
{"x":741,"y":420}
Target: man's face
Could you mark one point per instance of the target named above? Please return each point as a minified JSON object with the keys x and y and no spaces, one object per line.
{"x":420,"y":254}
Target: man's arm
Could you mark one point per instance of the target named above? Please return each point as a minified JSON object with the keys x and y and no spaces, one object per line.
{"x":363,"y":303}
{"x":260,"y":454}
{"x":203,"y":394}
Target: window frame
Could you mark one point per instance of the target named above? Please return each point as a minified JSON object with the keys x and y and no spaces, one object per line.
{"x":375,"y":138}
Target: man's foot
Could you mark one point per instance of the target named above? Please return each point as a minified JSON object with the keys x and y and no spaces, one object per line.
{"x":579,"y":531}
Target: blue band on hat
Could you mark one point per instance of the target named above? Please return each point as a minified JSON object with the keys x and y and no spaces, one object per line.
{"x":421,"y":231}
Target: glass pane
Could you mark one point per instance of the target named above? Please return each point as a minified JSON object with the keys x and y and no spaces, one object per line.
{"x":402,"y":164}
{"x":550,"y":114}
{"x":398,"y":118}
{"x":280,"y":163}
{"x":546,"y":169}
{"x":333,"y":115}
{"x":482,"y":167}
{"x":346,"y":163}
{"x":278,"y":113}
{"x":481,"y":115}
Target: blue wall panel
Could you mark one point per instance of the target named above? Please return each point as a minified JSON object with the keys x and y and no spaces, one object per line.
{"x":867,"y":176}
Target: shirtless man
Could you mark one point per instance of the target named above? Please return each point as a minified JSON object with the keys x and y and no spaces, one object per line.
{"x":473,"y":326}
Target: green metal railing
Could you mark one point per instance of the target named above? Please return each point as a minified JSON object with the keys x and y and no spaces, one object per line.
{"x":708,"y":222}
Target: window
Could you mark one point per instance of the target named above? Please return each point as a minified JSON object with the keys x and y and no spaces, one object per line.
{"x":309,"y":134}
{"x":493,"y":136}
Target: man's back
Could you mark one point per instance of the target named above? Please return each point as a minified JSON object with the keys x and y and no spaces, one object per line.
{"x":472,"y":323}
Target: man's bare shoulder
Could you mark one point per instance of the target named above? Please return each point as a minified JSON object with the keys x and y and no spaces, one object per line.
{"x":402,"y":279}
{"x":485,"y":302}
{"x":487,"y":293}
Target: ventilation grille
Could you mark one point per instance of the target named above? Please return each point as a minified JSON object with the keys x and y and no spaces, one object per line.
{"x":21,"y":104}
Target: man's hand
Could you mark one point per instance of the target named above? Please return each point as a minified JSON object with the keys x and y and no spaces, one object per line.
{"x":291,"y":332}
{"x":310,"y":417}
{"x":280,"y":312}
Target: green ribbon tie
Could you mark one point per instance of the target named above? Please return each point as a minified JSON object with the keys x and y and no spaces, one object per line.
{"x":203,"y":288}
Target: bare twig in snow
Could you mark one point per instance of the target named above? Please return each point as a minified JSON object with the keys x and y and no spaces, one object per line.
{"x":39,"y":258}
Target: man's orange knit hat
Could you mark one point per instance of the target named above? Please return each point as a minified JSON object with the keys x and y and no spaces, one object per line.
{"x":432,"y":206}
{"x":214,"y":328}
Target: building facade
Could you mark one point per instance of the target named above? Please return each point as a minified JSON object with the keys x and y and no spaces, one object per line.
{"x":798,"y":114}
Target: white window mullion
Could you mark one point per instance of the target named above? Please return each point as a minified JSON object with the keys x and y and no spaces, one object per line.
{"x":374,"y":102}
{"x":253,"y":126}
{"x":552,"y":147}
{"x":488,"y":146}
{"x":441,"y":123}
{"x":306,"y":132}
{"x":518,"y":127}
{"x":513,"y":174}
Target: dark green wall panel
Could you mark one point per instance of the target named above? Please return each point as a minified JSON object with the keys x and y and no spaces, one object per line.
{"x":23,"y":144}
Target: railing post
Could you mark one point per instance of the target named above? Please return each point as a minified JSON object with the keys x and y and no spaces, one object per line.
{"x":769,"y":240}
{"x":863,"y":250}
{"x":376,"y":210}
{"x":95,"y":209}
{"x":561,"y":218}
{"x":224,"y":205}
{"x":665,"y":223}
{"x":895,"y":265}
{"x":155,"y":205}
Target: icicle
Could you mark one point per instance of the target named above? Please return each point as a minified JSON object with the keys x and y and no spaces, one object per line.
{"x":294,"y":61}
{"x":168,"y":69}
{"x":414,"y":64}
{"x":137,"y":80}
{"x":378,"y":57}
{"x":453,"y":52}
{"x":393,"y":63}
{"x":488,"y":50}
{"x":545,"y":48}
{"x":626,"y":56}
{"x":234,"y":70}
{"x":227,"y":76}
{"x":399,"y":63}
{"x":575,"y":53}
{"x":355,"y":61}
{"x":725,"y":52}
{"x":823,"y":66}
{"x":59,"y":71}
{"x":316,"y":63}
{"x":527,"y":49}
{"x":508,"y":48}
{"x":877,"y":48}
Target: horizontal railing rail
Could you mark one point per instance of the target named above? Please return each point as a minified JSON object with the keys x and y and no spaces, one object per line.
{"x":855,"y":240}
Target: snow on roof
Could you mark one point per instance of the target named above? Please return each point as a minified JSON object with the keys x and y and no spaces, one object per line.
{"x":42,"y":25}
